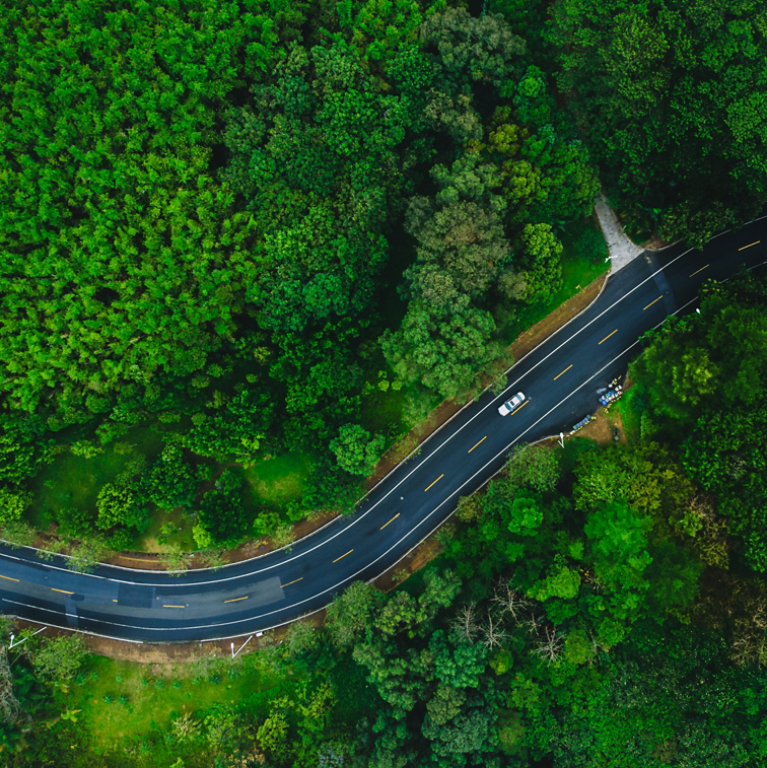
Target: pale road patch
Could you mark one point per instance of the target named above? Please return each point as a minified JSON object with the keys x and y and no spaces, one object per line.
{"x":622,"y":250}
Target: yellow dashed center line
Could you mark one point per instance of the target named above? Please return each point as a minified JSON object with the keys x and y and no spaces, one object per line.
{"x":434,"y":483}
{"x":390,"y":521}
{"x":699,"y":270}
{"x":563,"y":372}
{"x":237,"y":599}
{"x":756,"y":242}
{"x":608,"y":336}
{"x":63,"y":591}
{"x":174,"y":606}
{"x":300,"y":578}
{"x":476,"y":444}
{"x":527,"y":401}
{"x":343,"y":556}
{"x":10,"y":578}
{"x":652,"y":302}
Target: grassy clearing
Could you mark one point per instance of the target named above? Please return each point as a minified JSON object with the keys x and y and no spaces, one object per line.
{"x":279,"y":480}
{"x":583,"y":260}
{"x":74,"y":481}
{"x":382,"y":412}
{"x":168,"y":532}
{"x":120,"y":699}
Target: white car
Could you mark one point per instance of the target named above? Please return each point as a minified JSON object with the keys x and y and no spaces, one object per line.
{"x":510,"y":405}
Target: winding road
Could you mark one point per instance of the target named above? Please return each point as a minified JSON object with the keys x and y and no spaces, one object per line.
{"x":559,"y":379}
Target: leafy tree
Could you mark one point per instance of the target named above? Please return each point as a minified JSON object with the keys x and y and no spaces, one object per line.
{"x":171,"y":480}
{"x":12,"y":505}
{"x":444,"y":352}
{"x":534,"y":466}
{"x":618,"y":539}
{"x":58,"y":659}
{"x":356,"y":451}
{"x":222,"y":515}
{"x":724,"y":453}
{"x":129,"y":251}
{"x":351,"y":613}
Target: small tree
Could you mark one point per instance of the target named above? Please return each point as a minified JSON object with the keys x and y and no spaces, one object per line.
{"x":355,"y":450}
{"x":57,"y":659}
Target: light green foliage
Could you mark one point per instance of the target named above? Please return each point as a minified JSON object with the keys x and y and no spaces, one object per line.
{"x":618,"y":540}
{"x":543,"y":273}
{"x":526,"y":514}
{"x":578,"y":648}
{"x":58,"y":659}
{"x":534,"y":466}
{"x":564,"y":584}
{"x":351,"y":613}
{"x":24,"y":449}
{"x":109,"y":119}
{"x":12,"y":505}
{"x":355,"y":450}
{"x":120,"y":505}
{"x":646,"y":476}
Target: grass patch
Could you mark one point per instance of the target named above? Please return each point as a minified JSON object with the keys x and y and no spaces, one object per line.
{"x":382,"y":412}
{"x":120,"y":699}
{"x":279,"y":480}
{"x":74,"y":481}
{"x":583,"y":260}
{"x":168,"y":531}
{"x":631,"y":407}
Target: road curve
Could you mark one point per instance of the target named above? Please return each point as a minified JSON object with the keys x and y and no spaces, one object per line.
{"x":559,"y":379}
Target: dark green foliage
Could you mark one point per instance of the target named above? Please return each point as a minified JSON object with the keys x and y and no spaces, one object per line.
{"x":725,"y":454}
{"x":672,"y":98}
{"x":222,"y":515}
{"x":704,"y":381}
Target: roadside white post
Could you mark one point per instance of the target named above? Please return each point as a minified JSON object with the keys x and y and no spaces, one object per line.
{"x":234,"y":653}
{"x":562,"y":439}
{"x":25,"y":639}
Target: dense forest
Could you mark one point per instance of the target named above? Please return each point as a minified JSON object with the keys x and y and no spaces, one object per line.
{"x":235,"y":233}
{"x":238,"y":230}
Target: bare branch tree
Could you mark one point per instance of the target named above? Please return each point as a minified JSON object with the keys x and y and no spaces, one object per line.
{"x":10,"y":709}
{"x":493,"y":634}
{"x":533,"y":624}
{"x":748,"y":647}
{"x":465,"y":622}
{"x":549,"y":646}
{"x":509,"y":600}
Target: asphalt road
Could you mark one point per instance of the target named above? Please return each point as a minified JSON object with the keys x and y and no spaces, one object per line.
{"x":559,"y":379}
